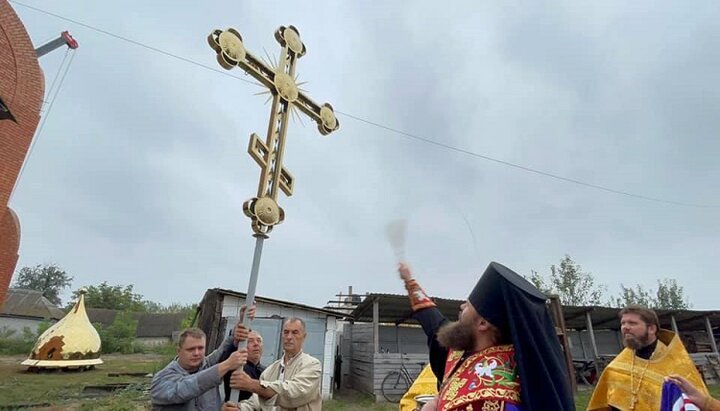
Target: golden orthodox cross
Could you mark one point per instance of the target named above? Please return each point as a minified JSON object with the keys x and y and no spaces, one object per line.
{"x":264,"y":209}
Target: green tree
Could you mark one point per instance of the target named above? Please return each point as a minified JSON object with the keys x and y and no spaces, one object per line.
{"x":538,"y":281}
{"x":634,"y":296}
{"x":115,"y":297}
{"x":191,"y":312}
{"x":669,"y":295}
{"x":153,"y":307}
{"x":124,"y":298}
{"x":49,"y":279}
{"x":568,"y":281}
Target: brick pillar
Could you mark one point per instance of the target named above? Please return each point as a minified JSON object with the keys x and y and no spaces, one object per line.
{"x":21,"y":89}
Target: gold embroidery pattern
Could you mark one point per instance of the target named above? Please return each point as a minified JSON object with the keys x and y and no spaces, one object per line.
{"x":491,"y":406}
{"x":451,"y":361}
{"x":500,"y":393}
{"x":455,"y":355}
{"x":496,"y":348}
{"x":469,"y":408}
{"x":418,"y":298}
{"x":453,"y":388}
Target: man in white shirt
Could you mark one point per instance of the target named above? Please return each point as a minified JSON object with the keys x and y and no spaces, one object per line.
{"x":290,"y":383}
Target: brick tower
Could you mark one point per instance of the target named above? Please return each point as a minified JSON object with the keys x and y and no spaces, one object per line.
{"x":21,"y":94}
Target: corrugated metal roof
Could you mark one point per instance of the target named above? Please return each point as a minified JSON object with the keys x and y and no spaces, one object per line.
{"x":281,"y":302}
{"x":395,"y":309}
{"x":30,"y":303}
{"x":609,"y":318}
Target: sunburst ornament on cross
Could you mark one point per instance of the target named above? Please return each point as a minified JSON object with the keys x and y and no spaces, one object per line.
{"x":280,"y":79}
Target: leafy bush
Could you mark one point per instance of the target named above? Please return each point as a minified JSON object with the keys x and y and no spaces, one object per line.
{"x":7,"y":332}
{"x":14,"y":346}
{"x":10,"y":344}
{"x":138,"y":348}
{"x":190,"y":316}
{"x":168,"y":349}
{"x":120,"y":335}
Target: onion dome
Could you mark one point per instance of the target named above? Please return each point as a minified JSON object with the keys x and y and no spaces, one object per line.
{"x":71,"y":342}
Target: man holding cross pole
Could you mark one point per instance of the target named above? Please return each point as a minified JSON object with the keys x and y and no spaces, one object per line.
{"x":191,"y":380}
{"x":290,"y":383}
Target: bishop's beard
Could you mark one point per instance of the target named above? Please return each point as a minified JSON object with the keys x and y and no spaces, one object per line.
{"x":456,"y":335}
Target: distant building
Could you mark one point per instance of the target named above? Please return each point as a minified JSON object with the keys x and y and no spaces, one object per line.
{"x":152,"y":329}
{"x":26,"y":309}
{"x":158,"y":329}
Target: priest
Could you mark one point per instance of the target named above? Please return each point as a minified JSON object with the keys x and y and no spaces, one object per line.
{"x":503,"y":352}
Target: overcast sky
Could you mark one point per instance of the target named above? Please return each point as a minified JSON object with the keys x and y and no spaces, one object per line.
{"x":139,"y":174}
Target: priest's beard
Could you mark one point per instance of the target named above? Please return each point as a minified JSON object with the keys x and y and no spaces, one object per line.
{"x":456,"y":335}
{"x":636,"y":342}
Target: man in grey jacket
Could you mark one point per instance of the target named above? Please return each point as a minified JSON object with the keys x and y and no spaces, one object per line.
{"x":190,"y":382}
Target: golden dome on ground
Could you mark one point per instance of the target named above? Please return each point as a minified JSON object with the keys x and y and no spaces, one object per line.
{"x":71,"y":342}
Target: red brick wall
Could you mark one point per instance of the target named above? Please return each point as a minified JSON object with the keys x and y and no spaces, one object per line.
{"x":21,"y":88}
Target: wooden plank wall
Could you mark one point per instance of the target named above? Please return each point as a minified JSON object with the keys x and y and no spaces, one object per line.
{"x":704,"y":364}
{"x":367,"y":369}
{"x":345,"y":338}
{"x":361,"y":363}
{"x":209,"y":319}
{"x":385,"y":363}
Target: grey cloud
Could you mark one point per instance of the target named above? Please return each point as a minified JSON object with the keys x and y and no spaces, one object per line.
{"x":141,"y":172}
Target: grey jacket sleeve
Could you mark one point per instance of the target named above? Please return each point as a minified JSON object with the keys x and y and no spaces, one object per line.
{"x":172,"y":386}
{"x":222,"y":352}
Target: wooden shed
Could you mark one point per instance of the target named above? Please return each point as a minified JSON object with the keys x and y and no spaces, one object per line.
{"x":382,"y":338}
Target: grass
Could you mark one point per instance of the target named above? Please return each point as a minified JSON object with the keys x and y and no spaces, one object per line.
{"x":582,"y":398}
{"x":348,"y":400}
{"x":63,"y":389}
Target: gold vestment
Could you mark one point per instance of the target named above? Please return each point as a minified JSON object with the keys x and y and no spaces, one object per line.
{"x":616,"y":386}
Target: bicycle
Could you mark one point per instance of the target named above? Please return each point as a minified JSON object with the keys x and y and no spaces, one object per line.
{"x":585,"y":372}
{"x":397,"y":383}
